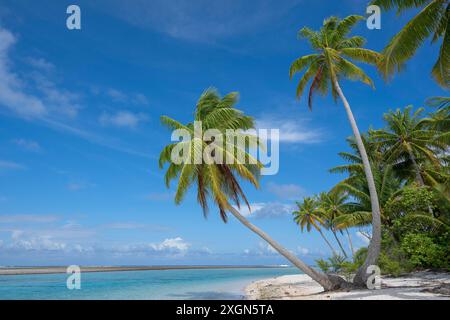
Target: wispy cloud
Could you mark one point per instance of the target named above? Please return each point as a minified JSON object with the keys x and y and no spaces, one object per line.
{"x":260,"y":210}
{"x":40,"y":63}
{"x":10,"y":165}
{"x":200,"y":21}
{"x":12,"y":88}
{"x":80,"y":185}
{"x":28,"y":218}
{"x":136,"y":226}
{"x":291,"y":131}
{"x":133,"y":98}
{"x":286,"y":191}
{"x":122,"y":119}
{"x":27,"y":145}
{"x":159,"y":196}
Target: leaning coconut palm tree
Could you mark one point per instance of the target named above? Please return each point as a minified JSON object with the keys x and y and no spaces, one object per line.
{"x":325,"y":69}
{"x":219,"y":180}
{"x":307,"y":216}
{"x":431,"y":21}
{"x":408,"y":141}
{"x":334,"y":204}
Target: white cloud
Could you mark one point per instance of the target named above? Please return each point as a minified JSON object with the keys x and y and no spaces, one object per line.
{"x":28,"y":145}
{"x":291,"y":131}
{"x":286,"y":191}
{"x":78,"y":186}
{"x":124,"y":119}
{"x":14,"y":94}
{"x":40,"y":63}
{"x":139,"y":99}
{"x":171,"y":247}
{"x":159,"y":196}
{"x":135,"y":226}
{"x":9,"y":165}
{"x":116,"y":95}
{"x":261,"y":210}
{"x":120,"y":96}
{"x":38,"y":244}
{"x":174,"y":244}
{"x":302,"y":251}
{"x":28,"y":218}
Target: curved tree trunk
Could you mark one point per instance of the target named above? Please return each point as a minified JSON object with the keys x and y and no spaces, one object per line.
{"x":375,"y":243}
{"x":339,"y":243}
{"x":350,"y":242}
{"x":326,"y":282}
{"x":328,"y":243}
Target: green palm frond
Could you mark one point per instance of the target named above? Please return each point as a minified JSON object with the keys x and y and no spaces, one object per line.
{"x":216,"y":181}
{"x":431,"y":21}
{"x":332,"y":43}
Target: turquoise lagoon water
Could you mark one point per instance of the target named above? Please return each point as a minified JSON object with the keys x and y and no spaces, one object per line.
{"x":151,"y":284}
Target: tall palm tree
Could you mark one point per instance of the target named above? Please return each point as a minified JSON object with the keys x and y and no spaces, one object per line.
{"x":334,"y":204}
{"x":325,"y":68}
{"x":219,"y":182}
{"x":432,"y":21}
{"x":308,"y":216}
{"x":409,"y":141}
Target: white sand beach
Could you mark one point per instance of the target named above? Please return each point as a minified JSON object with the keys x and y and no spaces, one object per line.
{"x":414,"y":286}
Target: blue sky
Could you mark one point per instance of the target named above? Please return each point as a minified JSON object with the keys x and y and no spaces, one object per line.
{"x":80,"y":132}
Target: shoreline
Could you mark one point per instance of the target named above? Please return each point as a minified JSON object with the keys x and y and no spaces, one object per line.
{"x":5,"y":271}
{"x":424,"y":285}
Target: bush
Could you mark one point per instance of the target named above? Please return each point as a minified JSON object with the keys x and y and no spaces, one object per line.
{"x":390,"y":266}
{"x":423,"y":252}
{"x":323,"y":265}
{"x":360,"y":256}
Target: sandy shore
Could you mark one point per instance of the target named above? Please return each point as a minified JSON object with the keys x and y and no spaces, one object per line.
{"x":63,"y":269}
{"x":414,"y":286}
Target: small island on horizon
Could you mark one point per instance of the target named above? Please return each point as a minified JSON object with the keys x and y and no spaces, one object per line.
{"x":22,"y":270}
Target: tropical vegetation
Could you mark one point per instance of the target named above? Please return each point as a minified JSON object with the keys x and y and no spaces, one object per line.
{"x":409,"y":158}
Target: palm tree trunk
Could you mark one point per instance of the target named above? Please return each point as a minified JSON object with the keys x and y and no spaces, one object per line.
{"x":375,"y":243}
{"x":419,"y":177}
{"x":328,"y":243}
{"x":350,"y":242}
{"x":339,"y":243}
{"x":319,"y":277}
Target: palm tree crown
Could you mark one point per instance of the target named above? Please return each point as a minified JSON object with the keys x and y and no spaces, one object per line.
{"x":216,"y":181}
{"x":431,"y":21}
{"x":408,"y":141}
{"x":307,"y":214}
{"x":333,"y":46}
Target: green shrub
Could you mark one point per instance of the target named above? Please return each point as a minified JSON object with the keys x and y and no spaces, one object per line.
{"x":323,"y":265}
{"x":390,"y":266}
{"x":360,"y":256}
{"x":423,"y":252}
